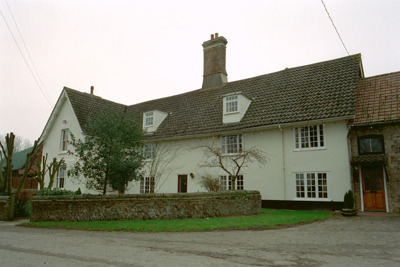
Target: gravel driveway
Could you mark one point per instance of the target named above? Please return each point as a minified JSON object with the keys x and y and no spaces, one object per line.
{"x":339,"y":241}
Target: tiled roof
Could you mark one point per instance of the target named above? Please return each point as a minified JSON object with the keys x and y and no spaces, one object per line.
{"x":85,"y":105}
{"x":318,"y":91}
{"x":366,"y":159}
{"x":378,"y":99}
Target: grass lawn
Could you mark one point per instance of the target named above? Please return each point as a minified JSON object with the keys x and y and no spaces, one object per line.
{"x":268,"y":219}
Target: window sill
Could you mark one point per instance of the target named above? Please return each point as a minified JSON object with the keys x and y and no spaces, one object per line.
{"x":230,"y":113}
{"x":313,"y":199}
{"x":63,"y":153}
{"x":231,"y":154}
{"x":310,"y":149}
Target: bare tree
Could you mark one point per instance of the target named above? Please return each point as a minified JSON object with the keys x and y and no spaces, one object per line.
{"x":159,"y":165}
{"x":232,"y":164}
{"x":210,"y":183}
{"x":19,"y":143}
{"x":8,"y":151}
{"x":42,"y":168}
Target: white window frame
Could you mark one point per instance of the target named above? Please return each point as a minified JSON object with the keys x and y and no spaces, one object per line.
{"x":310,"y":137}
{"x":64,"y":140}
{"x":311,"y":186}
{"x":148,"y":119}
{"x":230,"y":146}
{"x":60,"y":182}
{"x":231,"y":104}
{"x":145,"y":185}
{"x":225,"y":182}
{"x":148,"y":152}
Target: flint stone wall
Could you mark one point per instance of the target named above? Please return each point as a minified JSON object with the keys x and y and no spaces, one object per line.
{"x":145,"y":206}
{"x":3,"y":207}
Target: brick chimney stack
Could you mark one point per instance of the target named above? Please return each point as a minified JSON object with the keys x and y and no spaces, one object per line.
{"x":214,"y":62}
{"x":91,"y":89}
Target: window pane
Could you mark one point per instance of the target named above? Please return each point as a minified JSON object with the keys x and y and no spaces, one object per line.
{"x":300,"y":190}
{"x":371,"y":145}
{"x":239,"y":183}
{"x":231,"y":104}
{"x":142,"y":185}
{"x":231,"y":144}
{"x":321,"y":135}
{"x":313,"y":136}
{"x":223,"y":182}
{"x":376,"y":145}
{"x":304,"y":137}
{"x":322,"y":186}
{"x":311,"y":185}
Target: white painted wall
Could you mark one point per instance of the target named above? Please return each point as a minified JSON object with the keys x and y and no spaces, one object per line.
{"x":271,"y":180}
{"x":64,"y":119}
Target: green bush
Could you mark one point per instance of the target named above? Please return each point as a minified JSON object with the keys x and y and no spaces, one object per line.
{"x":22,"y":207}
{"x":349,"y":200}
{"x":58,"y":192}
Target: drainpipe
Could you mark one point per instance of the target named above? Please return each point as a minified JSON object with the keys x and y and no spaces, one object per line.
{"x":283,"y":163}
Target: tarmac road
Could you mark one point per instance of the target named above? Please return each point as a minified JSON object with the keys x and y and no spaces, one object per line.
{"x":358,"y":241}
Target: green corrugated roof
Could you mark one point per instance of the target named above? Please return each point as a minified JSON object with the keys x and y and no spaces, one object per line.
{"x":19,"y":158}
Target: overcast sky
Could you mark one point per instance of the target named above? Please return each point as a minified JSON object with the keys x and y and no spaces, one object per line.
{"x":134,"y":51}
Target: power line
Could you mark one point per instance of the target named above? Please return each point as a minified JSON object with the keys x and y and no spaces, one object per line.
{"x":335,"y":27}
{"x":26,"y":62}
{"x":27,"y":50}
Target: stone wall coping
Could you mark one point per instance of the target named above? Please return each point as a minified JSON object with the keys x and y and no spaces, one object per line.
{"x":198,"y":195}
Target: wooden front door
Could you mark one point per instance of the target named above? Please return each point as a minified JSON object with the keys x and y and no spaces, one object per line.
{"x":182,"y":183}
{"x":373,"y":188}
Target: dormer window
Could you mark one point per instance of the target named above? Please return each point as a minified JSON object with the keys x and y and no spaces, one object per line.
{"x":231,"y":104}
{"x":148,"y":119}
{"x":153,"y":119}
{"x":234,"y":107}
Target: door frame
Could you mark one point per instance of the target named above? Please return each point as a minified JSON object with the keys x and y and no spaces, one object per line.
{"x":362,"y":190}
{"x":187,"y":181}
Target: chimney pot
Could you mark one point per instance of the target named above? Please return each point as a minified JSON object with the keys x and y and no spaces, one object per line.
{"x":216,"y":35}
{"x":91,"y":89}
{"x":212,"y":36}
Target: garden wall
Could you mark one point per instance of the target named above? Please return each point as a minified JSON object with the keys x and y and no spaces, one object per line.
{"x":145,"y":206}
{"x":3,"y":207}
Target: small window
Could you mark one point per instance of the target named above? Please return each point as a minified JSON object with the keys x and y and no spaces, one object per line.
{"x":226,"y":182}
{"x":311,"y":185}
{"x":148,"y":151}
{"x":231,"y":104}
{"x":309,"y":137}
{"x":148,"y":119}
{"x":64,"y":139}
{"x":147,"y":185}
{"x":61,"y":177}
{"x":370,"y":145}
{"x":231,"y":144}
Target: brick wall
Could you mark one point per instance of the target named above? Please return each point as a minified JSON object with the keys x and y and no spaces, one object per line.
{"x":145,"y":206}
{"x":3,"y":207}
{"x":391,"y":136}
